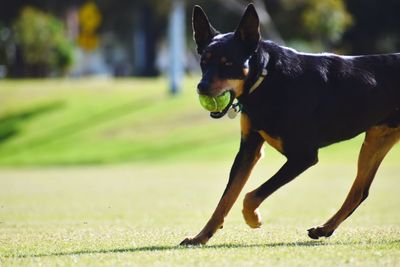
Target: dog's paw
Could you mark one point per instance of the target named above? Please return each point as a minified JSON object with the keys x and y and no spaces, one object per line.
{"x":194,"y":241}
{"x":250,"y":211}
{"x":317,"y":232}
{"x":252,"y":218}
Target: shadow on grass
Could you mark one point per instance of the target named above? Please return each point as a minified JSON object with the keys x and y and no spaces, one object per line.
{"x":88,"y":121}
{"x":303,"y":244}
{"x":10,"y":123}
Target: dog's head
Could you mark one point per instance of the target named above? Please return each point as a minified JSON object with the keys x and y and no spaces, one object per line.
{"x":224,"y":56}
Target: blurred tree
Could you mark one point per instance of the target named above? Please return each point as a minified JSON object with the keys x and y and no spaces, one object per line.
{"x":310,"y":24}
{"x":43,"y":45}
{"x":6,"y":46}
{"x":326,"y":20}
{"x":140,"y":25}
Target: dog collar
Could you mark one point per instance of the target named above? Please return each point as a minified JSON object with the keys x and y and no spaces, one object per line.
{"x":234,"y":108}
{"x":262,"y":59}
{"x":259,"y":80}
{"x":238,"y":107}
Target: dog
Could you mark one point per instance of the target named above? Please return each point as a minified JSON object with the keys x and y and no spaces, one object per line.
{"x":297,"y":103}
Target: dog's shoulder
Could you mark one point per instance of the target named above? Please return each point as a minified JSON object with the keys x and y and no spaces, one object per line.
{"x":283,"y":60}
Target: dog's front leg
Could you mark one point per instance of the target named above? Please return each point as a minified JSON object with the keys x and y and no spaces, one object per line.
{"x":295,"y":165}
{"x":246,"y":158}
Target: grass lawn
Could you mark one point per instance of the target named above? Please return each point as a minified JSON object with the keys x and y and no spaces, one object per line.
{"x":136,"y":215}
{"x":69,"y":122}
{"x":166,"y":167}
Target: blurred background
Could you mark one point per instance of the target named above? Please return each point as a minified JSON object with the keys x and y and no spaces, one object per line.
{"x":113,"y":81}
{"x":44,"y":38}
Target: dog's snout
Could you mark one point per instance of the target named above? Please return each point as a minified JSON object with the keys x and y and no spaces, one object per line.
{"x":203,"y":87}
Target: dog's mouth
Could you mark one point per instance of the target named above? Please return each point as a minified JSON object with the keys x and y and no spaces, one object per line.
{"x":220,"y":114}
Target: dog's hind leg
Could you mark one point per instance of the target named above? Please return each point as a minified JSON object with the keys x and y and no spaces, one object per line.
{"x":249,"y":153}
{"x":378,"y":141}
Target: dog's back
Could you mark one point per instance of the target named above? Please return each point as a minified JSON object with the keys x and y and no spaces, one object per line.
{"x":341,"y":96}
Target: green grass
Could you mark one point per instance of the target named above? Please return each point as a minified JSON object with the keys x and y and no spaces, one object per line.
{"x":69,"y":122}
{"x":136,"y":215}
{"x":63,"y":122}
{"x":173,"y":163}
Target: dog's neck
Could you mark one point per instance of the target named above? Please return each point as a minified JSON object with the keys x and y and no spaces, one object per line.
{"x":257,"y":72}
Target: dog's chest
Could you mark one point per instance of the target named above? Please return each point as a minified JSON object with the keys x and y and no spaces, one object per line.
{"x":264,"y":118}
{"x":268,"y":130}
{"x":275,"y":142}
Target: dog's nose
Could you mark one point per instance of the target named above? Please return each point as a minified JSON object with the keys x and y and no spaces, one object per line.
{"x":203,"y":87}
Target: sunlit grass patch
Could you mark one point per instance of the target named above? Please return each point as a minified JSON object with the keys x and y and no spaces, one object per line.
{"x":137,"y":215}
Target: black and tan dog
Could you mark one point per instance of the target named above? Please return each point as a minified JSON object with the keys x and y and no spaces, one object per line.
{"x":297,"y":103}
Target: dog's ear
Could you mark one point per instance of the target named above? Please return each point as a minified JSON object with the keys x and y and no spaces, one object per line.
{"x":248,"y":30}
{"x":203,"y":32}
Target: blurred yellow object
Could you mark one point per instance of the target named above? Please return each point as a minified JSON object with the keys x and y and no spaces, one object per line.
{"x":89,"y":21}
{"x":88,"y":42}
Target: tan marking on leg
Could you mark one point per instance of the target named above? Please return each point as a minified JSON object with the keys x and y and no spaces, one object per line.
{"x":251,"y":214}
{"x":227,"y":201}
{"x":378,"y":141}
{"x":245,"y":125}
{"x":224,"y":205}
{"x":245,"y":160}
{"x":274,"y":142}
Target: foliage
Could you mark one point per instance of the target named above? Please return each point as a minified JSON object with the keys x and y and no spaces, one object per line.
{"x":326,"y":19}
{"x":42,"y":41}
{"x":311,"y":24}
{"x":5,"y":36}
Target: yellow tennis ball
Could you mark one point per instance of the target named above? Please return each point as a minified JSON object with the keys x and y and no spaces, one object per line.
{"x":214,"y":104}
